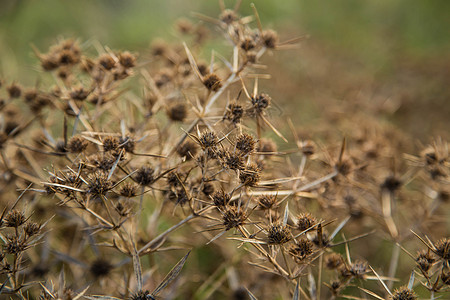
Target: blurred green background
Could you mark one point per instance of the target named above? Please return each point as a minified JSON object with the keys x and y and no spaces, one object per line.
{"x":393,"y":49}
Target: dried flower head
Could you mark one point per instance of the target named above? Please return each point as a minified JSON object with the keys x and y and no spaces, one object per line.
{"x":261,"y":102}
{"x":14,"y":90}
{"x":228,"y":16}
{"x":106,"y":61}
{"x":424,"y":260}
{"x":127,"y":60}
{"x":251,"y":175}
{"x":208,"y":139}
{"x":234,"y":112}
{"x":302,"y":250}
{"x":305,"y":221}
{"x":404,"y":293}
{"x":247,"y":43}
{"x":233,"y":217}
{"x":177,"y":112}
{"x":76,"y":144}
{"x":98,"y":183}
{"x":220,"y":198}
{"x":14,"y":245}
{"x":442,"y":249}
{"x":128,"y":190}
{"x":110,"y":143}
{"x":100,"y":268}
{"x":212,"y":82}
{"x":31,"y":228}
{"x":357,"y":269}
{"x":308,"y":147}
{"x":391,"y":184}
{"x":14,"y":219}
{"x":269,"y":38}
{"x":266,"y":201}
{"x":127,"y":143}
{"x":144,"y":175}
{"x":278,"y":234}
{"x":245,"y":143}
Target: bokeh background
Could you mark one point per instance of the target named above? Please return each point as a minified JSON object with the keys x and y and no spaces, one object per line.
{"x":394,"y":54}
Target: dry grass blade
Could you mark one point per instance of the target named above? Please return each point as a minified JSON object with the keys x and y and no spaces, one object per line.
{"x":171,"y":275}
{"x":137,"y":268}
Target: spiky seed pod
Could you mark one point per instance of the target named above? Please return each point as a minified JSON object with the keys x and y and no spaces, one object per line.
{"x":145,"y":175}
{"x":251,"y":175}
{"x":99,"y":184}
{"x":100,"y":268}
{"x":334,"y":261}
{"x":233,"y":217}
{"x":31,"y":228}
{"x":60,"y":147}
{"x":106,"y":61}
{"x":142,"y":295}
{"x":278,"y":234}
{"x":443,"y":249}
{"x":79,"y":93}
{"x":429,"y":156}
{"x":49,"y":62}
{"x":228,"y":16}
{"x":344,"y":167}
{"x":233,"y":161}
{"x":301,"y":250}
{"x":247,"y":44}
{"x":320,"y":239}
{"x":122,"y":209}
{"x":269,"y":38}
{"x":208,"y":139}
{"x":308,"y":147}
{"x":357,"y":269}
{"x":14,"y":90}
{"x":220,"y":198}
{"x":103,"y":162}
{"x":173,"y":179}
{"x":14,"y":245}
{"x":335,"y":286}
{"x":14,"y":219}
{"x":305,"y":221}
{"x":424,"y":260}
{"x":128,"y":190}
{"x":30,"y":95}
{"x":245,"y":143}
{"x":404,"y":293}
{"x":261,"y":102}
{"x":212,"y":82}
{"x":177,"y":112}
{"x":252,"y":56}
{"x":127,"y":143}
{"x":110,"y":143}
{"x":391,"y":184}
{"x":76,"y":144}
{"x":234,"y":113}
{"x":127,"y":60}
{"x":266,"y":201}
